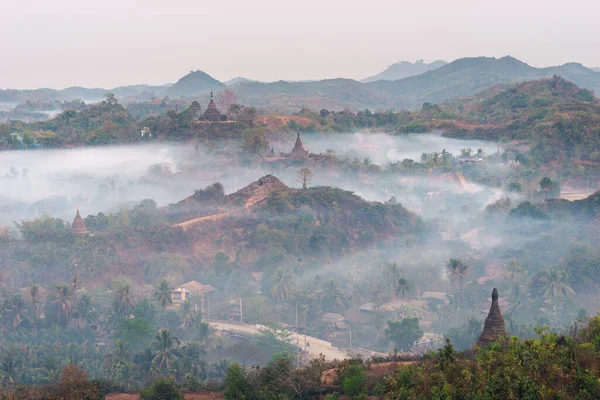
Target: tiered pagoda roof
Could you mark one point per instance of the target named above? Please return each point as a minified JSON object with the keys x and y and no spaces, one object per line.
{"x":298,"y":152}
{"x":494,"y":324}
{"x":212,"y":113}
{"x":78,"y":226}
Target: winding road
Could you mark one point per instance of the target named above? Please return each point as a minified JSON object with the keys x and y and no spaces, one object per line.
{"x":314,"y":347}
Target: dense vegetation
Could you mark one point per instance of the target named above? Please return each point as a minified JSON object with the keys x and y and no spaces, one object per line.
{"x":549,"y":366}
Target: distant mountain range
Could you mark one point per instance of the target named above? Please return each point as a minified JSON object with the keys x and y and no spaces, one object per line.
{"x":439,"y":82}
{"x":404,"y":69}
{"x":467,"y":76}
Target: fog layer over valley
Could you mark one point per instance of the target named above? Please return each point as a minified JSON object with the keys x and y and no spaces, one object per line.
{"x":98,"y":179}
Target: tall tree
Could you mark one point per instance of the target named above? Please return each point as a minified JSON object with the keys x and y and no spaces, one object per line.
{"x":457,"y":270}
{"x":304,"y":177}
{"x":392,"y":273}
{"x":15,"y":312}
{"x":125,"y":301}
{"x":165,"y":346}
{"x":514,"y":272}
{"x":555,"y":284}
{"x":192,"y":354}
{"x":36,"y":299}
{"x":332,"y":296}
{"x":63,"y":303}
{"x":186,"y":314}
{"x":282,"y":285}
{"x":402,"y":286}
{"x":162,"y":294}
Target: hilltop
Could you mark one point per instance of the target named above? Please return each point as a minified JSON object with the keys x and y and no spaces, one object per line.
{"x":194,"y":83}
{"x":404,"y":69}
{"x":505,"y":103}
{"x":326,"y":220}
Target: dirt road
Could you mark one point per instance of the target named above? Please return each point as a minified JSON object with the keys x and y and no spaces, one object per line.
{"x":314,"y":347}
{"x":252,"y":201}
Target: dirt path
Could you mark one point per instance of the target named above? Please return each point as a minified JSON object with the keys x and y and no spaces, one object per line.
{"x":314,"y":347}
{"x":249,"y":203}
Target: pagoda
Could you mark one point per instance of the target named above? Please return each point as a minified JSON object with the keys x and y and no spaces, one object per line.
{"x":212,"y":113}
{"x":494,"y":324}
{"x":298,"y":152}
{"x":78,"y":226}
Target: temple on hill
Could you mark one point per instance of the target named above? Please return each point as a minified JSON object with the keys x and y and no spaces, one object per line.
{"x":494,"y":324}
{"x":212,"y":113}
{"x":78,"y":226}
{"x":298,"y":152}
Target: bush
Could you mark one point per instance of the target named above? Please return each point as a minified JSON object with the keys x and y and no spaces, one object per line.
{"x":161,"y":389}
{"x":237,"y":386}
{"x":354,"y":381}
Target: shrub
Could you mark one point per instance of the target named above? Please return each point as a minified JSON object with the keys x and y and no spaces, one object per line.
{"x":354,"y":381}
{"x":161,"y":389}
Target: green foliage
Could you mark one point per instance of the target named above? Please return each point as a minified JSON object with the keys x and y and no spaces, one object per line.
{"x":403,"y":333}
{"x":161,"y":389}
{"x":354,"y":380}
{"x":43,"y":229}
{"x":137,"y":332}
{"x":237,"y":386}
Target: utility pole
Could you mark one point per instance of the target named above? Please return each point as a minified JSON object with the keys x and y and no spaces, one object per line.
{"x":305,"y":312}
{"x":241,"y":312}
{"x":350,"y":336}
{"x":297,"y":338}
{"x":202,"y":304}
{"x":587,"y":190}
{"x":208,"y":307}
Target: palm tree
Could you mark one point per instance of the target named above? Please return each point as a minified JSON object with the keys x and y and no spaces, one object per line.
{"x":50,"y":368}
{"x":36,"y":298}
{"x":186,"y":314}
{"x":514,"y":271}
{"x":11,"y":363}
{"x":164,"y":345}
{"x":126,"y":303}
{"x":555,"y":284}
{"x":128,"y":376}
{"x":402,"y":286}
{"x":63,"y":303}
{"x":203,"y":331}
{"x":282,"y":285}
{"x":15,"y":312}
{"x":392,"y":272}
{"x":144,"y":361}
{"x":332,"y":296}
{"x":3,"y":286}
{"x":84,"y":306}
{"x":192,"y":359}
{"x":162,"y":293}
{"x":118,"y":358}
{"x":457,"y":270}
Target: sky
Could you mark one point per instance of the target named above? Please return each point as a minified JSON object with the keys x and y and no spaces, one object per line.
{"x":62,"y":43}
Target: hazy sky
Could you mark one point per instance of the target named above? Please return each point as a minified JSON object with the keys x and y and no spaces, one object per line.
{"x":60,"y":43}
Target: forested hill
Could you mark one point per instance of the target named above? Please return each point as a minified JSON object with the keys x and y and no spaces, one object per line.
{"x":504,"y":103}
{"x":263,"y":226}
{"x":467,"y":76}
{"x":317,"y":222}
